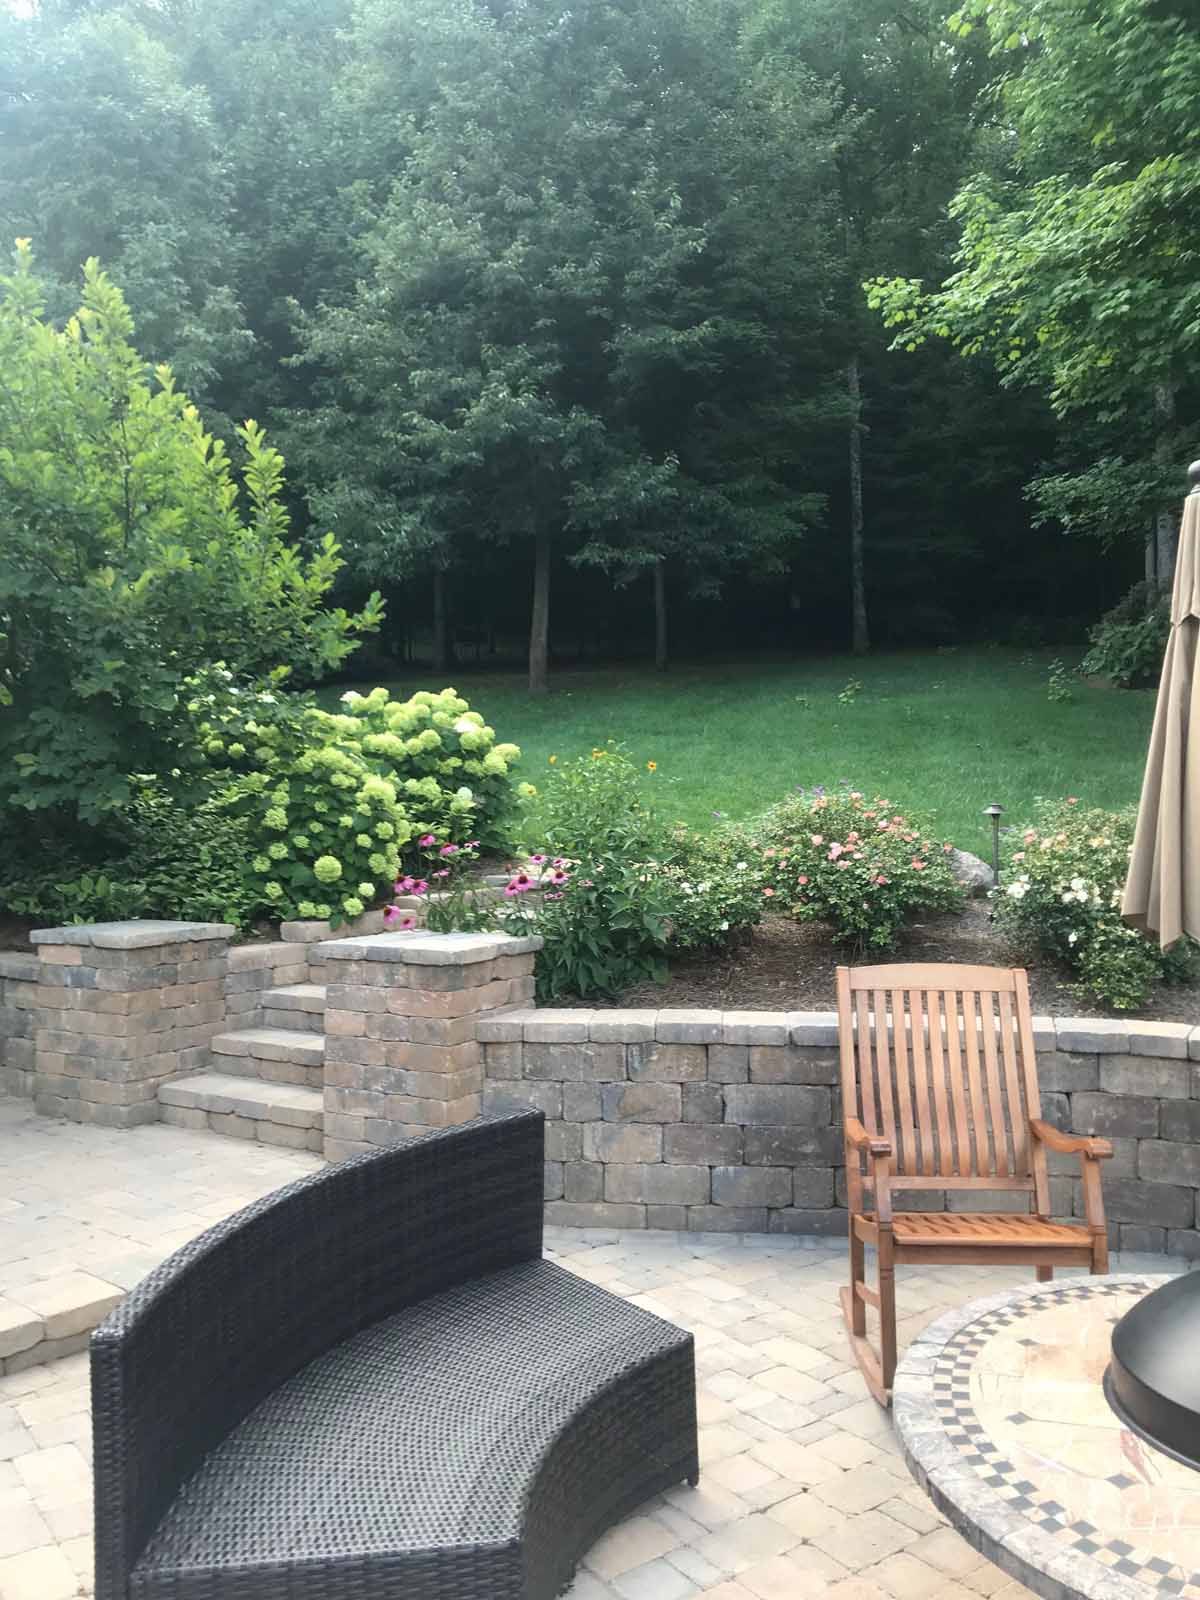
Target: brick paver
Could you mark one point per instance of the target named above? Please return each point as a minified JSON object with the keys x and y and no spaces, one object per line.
{"x":802,"y":1493}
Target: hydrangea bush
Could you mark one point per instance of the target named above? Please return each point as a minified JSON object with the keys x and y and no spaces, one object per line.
{"x":334,"y":799}
{"x":1062,"y":893}
{"x":858,"y":865}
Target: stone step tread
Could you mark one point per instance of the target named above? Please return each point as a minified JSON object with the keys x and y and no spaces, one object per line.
{"x":246,"y":1097}
{"x":295,"y":997}
{"x":272,"y":1044}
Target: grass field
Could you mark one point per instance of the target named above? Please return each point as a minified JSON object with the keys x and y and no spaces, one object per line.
{"x":947,"y":731}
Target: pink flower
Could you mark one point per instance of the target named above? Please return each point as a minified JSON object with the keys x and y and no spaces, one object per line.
{"x":426,"y":840}
{"x":420,"y":887}
{"x":390,"y":914}
{"x":818,"y":839}
{"x":536,"y":860}
{"x":1019,"y":856}
{"x":444,"y":873}
{"x":557,"y":896}
{"x":404,"y":885}
{"x":559,"y":877}
{"x":1072,"y":799}
{"x":843,"y":866}
{"x":880,"y":878}
{"x":835,"y":850}
{"x":520,"y":884}
{"x":769,"y":893}
{"x":917,"y":865}
{"x":802,"y":879}
{"x":448,"y":850}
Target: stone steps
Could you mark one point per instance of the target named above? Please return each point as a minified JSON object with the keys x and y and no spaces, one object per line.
{"x":298,"y":1007}
{"x":245,"y":1108}
{"x":292,"y":1055}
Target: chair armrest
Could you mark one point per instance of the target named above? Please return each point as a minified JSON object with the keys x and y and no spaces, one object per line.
{"x":1070,"y":1144}
{"x":858,"y":1136}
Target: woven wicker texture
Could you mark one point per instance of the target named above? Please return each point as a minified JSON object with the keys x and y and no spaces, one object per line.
{"x":370,"y":1384}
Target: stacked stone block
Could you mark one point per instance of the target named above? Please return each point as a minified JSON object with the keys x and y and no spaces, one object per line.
{"x":120,"y":1008}
{"x":252,"y":969}
{"x":19,"y":979}
{"x":731,"y":1121}
{"x":402,"y":1012}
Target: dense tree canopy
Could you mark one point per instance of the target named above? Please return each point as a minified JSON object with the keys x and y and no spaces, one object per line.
{"x":558,"y":312}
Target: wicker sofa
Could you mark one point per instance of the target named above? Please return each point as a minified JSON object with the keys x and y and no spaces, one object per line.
{"x":370,"y":1384}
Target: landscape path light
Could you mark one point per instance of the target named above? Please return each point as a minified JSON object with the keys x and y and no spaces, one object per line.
{"x":995,"y":812}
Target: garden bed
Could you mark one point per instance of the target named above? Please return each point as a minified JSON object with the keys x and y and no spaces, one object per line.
{"x":785,"y":966}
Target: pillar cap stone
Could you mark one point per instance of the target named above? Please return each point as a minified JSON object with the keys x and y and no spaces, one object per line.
{"x":429,"y":949}
{"x":133,"y":935}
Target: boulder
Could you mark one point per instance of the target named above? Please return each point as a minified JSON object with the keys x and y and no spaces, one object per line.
{"x":974,"y":875}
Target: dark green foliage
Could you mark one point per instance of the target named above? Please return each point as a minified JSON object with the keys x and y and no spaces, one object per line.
{"x":1127,"y":643}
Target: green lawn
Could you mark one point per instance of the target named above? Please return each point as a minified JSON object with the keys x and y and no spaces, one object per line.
{"x":946,"y":731}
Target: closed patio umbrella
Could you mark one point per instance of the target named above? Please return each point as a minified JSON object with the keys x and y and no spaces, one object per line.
{"x":1162,"y":890}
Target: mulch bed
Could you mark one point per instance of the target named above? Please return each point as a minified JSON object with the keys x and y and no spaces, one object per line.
{"x":783,"y":966}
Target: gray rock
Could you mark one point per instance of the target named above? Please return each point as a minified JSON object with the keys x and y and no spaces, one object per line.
{"x":974,"y":874}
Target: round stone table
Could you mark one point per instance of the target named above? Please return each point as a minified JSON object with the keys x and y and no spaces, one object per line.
{"x":1001,"y":1414}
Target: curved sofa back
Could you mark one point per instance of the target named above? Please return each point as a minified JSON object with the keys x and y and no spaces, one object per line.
{"x":225,"y":1320}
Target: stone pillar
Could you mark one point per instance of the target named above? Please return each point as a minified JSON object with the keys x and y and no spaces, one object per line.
{"x":401,"y":1013}
{"x":121,"y":1007}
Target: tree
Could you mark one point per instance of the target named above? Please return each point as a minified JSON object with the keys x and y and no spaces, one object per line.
{"x":1077,"y":270}
{"x":127,"y":563}
{"x":897,"y":128}
{"x":555,"y":345}
{"x":109,"y":152}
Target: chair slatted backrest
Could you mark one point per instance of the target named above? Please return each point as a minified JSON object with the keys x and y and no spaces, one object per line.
{"x":940,"y":1061}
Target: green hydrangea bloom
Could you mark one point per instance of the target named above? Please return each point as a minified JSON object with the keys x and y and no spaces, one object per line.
{"x":300,"y":841}
{"x":363,"y":841}
{"x":237,"y":749}
{"x":273,"y":890}
{"x":366,"y":890}
{"x":378,"y":865}
{"x":275,"y":818}
{"x":214,"y":747}
{"x":324,"y":909}
{"x":307,"y":908}
{"x":352,"y":906}
{"x":384,"y":830}
{"x":327,"y":869}
{"x":277,"y":850}
{"x":261,"y":864}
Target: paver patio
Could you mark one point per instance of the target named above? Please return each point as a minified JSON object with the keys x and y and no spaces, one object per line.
{"x":802,"y":1491}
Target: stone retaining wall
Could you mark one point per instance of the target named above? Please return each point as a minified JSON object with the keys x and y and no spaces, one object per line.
{"x":731,"y":1121}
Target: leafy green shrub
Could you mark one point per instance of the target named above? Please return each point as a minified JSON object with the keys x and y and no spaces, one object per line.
{"x":1062,"y":893}
{"x":852,"y":863}
{"x":1128,"y":642}
{"x":609,"y":925}
{"x":333,"y":800}
{"x":713,"y":887}
{"x":127,"y":560}
{"x":160,"y":859}
{"x":607,"y":929}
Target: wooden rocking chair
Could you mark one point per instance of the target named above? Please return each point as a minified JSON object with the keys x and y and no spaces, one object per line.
{"x":941,"y":1093}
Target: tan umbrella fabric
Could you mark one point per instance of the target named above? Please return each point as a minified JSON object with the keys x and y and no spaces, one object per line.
{"x":1162,"y":891}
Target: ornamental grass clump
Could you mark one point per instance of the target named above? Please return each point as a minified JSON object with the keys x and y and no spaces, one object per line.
{"x":1061,"y":893}
{"x":860,"y":866}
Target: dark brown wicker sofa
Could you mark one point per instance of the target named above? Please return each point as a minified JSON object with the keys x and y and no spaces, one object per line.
{"x":370,"y":1386}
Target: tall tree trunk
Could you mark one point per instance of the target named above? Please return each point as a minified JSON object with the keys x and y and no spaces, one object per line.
{"x":1151,"y":563}
{"x":861,"y":638}
{"x":1166,"y":531}
{"x":539,"y":621}
{"x":660,"y":615}
{"x":443,"y":655}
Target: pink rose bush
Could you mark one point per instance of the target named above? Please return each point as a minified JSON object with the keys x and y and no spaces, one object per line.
{"x":858,"y":865}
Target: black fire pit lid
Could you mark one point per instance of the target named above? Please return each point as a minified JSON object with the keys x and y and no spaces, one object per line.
{"x":1153,"y":1380}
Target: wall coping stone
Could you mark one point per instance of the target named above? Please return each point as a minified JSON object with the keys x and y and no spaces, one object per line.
{"x":141,"y":934}
{"x":811,"y":1029}
{"x":418,"y":948}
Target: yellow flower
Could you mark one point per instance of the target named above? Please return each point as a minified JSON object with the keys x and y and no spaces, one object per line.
{"x":552,"y":759}
{"x":652,"y":766}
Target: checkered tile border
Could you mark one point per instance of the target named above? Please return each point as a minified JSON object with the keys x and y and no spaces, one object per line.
{"x":952,"y":1399}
